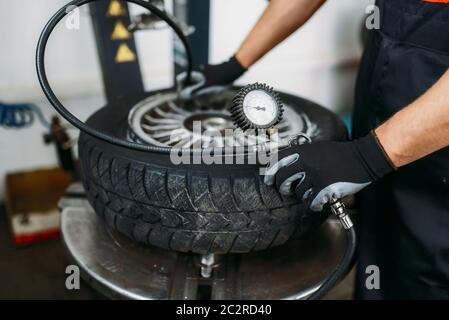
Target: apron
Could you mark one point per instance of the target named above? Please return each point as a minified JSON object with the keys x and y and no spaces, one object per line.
{"x":404,"y":220}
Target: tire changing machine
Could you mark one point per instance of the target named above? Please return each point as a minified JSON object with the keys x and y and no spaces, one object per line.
{"x":122,"y":269}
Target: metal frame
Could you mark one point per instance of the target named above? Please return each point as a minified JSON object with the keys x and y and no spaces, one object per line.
{"x":120,"y":79}
{"x":195,"y":13}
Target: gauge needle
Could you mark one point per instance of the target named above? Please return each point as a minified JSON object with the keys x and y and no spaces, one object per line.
{"x":258,"y":108}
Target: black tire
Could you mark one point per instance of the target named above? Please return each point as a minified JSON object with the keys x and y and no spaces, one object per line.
{"x":197,"y":208}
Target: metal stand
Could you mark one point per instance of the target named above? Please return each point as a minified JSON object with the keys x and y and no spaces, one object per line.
{"x":121,"y":268}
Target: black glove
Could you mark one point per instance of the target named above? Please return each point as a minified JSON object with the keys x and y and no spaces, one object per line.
{"x":320,"y":172}
{"x":211,"y":78}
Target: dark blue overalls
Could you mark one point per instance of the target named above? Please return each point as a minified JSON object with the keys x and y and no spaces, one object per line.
{"x":404,"y":227}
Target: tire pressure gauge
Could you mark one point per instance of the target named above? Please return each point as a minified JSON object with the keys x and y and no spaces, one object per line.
{"x":256,"y":106}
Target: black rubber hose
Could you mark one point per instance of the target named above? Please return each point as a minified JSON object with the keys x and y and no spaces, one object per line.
{"x":42,"y":76}
{"x":341,"y":269}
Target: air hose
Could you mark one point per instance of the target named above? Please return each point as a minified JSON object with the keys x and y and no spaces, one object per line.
{"x":339,"y":210}
{"x":66,"y":114}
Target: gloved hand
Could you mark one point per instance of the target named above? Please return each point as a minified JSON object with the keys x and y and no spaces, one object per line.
{"x":210,"y":78}
{"x":322,"y":171}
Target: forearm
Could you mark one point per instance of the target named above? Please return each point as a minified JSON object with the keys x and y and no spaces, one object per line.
{"x":280,"y":19}
{"x":420,"y":129}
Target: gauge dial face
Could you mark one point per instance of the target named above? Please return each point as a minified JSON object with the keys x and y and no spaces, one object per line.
{"x":260,"y":108}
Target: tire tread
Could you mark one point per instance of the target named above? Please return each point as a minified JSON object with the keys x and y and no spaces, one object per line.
{"x":180,"y":211}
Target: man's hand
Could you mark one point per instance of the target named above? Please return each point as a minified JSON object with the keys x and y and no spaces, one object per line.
{"x":211,"y":78}
{"x":322,"y":171}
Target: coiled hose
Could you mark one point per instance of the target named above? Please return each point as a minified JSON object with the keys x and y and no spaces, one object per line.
{"x":54,"y":101}
{"x":19,"y":116}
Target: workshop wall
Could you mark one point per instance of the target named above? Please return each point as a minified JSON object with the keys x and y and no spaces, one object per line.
{"x":319,"y":62}
{"x":73,"y":70}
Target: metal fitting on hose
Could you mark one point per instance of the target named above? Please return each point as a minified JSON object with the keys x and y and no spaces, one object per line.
{"x":339,"y":209}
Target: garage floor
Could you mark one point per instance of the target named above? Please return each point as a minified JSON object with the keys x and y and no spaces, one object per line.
{"x":38,"y":271}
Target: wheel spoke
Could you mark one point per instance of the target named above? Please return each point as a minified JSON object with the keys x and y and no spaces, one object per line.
{"x":157,"y":128}
{"x":167,"y":115}
{"x":154,"y":120}
{"x":169,"y":133}
{"x":177,"y":109}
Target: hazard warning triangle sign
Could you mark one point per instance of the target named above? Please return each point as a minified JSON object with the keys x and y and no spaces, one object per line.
{"x":124,"y":54}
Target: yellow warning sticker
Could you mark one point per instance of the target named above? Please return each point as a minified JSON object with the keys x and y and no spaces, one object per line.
{"x":125,"y":54}
{"x":120,"y":32}
{"x":116,"y":9}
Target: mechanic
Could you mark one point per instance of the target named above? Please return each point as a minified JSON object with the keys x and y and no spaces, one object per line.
{"x":399,"y":155}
